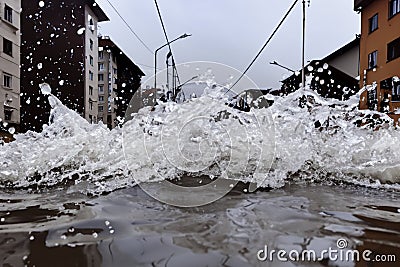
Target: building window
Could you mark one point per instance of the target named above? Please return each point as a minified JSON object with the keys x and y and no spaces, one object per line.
{"x":8,"y":13}
{"x":394,"y":7}
{"x":7,"y":80}
{"x":101,"y":66}
{"x":7,"y":47}
{"x":101,"y":98}
{"x":101,"y":108}
{"x":91,"y":44}
{"x":393,"y":49}
{"x":115,"y":71}
{"x":91,"y":60}
{"x":101,"y":54}
{"x":101,"y":89}
{"x":372,"y":100}
{"x":91,"y":23}
{"x":91,"y":77}
{"x":372,"y":60}
{"x":90,"y":118}
{"x":396,"y":92}
{"x":8,"y":115}
{"x":373,"y":23}
{"x":90,"y":105}
{"x":101,"y":77}
{"x":90,"y":90}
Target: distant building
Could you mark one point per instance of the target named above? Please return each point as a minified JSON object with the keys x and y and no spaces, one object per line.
{"x":252,"y":98}
{"x":380,"y":54}
{"x":9,"y":63}
{"x":60,"y":47}
{"x":119,"y":79}
{"x":335,"y":76}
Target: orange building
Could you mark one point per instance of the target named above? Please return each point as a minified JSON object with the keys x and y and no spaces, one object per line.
{"x":380,"y":54}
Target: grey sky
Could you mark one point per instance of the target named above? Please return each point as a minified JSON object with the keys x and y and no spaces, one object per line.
{"x":232,"y":32}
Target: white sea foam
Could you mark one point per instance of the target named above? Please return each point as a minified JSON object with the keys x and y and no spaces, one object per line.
{"x":318,"y":142}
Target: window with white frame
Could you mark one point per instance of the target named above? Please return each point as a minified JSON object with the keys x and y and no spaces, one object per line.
{"x":7,"y":80}
{"x":8,"y":13}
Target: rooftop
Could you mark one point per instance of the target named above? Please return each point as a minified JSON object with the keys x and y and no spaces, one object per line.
{"x":359,"y":4}
{"x":97,"y":10}
{"x":106,"y":42}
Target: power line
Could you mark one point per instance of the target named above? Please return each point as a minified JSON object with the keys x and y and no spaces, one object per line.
{"x":147,"y":66}
{"x":265,"y":45}
{"x":130,"y":28}
{"x":166,"y":37}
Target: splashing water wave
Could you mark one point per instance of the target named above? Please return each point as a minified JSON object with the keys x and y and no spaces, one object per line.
{"x":314,"y":142}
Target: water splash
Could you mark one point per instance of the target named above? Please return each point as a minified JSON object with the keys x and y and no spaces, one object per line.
{"x":316,"y":140}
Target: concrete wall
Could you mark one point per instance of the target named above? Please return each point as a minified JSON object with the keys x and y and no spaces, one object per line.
{"x":91,"y":96}
{"x":9,"y":65}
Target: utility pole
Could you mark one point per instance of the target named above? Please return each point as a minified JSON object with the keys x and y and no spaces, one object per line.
{"x":303,"y":74}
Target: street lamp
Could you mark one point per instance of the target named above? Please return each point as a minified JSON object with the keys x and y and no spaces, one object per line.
{"x":183,"y":36}
{"x":179,"y":88}
{"x":279,"y":65}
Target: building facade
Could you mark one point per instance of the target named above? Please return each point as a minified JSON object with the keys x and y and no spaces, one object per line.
{"x":9,"y":63}
{"x":119,"y":80}
{"x":380,"y":54}
{"x":59,"y":47}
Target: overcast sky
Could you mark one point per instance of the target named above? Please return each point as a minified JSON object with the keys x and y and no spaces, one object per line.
{"x":232,"y":32}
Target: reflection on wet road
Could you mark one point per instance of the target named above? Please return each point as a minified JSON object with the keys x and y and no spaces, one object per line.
{"x":128,"y":228}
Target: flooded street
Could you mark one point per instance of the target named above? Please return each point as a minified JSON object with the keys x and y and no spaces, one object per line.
{"x":128,"y":228}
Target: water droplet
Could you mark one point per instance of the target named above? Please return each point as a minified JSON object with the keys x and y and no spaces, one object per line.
{"x":41,"y":4}
{"x":45,"y":88}
{"x":11,"y":131}
{"x":31,"y":238}
{"x":95,"y":235}
{"x":40,"y":66}
{"x":80,"y":31}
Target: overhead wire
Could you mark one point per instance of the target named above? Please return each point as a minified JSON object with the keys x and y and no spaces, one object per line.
{"x":130,"y":28}
{"x":264,"y":46}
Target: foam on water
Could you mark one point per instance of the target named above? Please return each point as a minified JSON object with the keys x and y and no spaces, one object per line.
{"x":318,"y":141}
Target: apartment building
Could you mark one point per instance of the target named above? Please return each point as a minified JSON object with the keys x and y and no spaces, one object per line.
{"x":9,"y":63}
{"x":60,"y":47}
{"x":380,"y":54}
{"x":107,"y":87}
{"x":119,"y":79}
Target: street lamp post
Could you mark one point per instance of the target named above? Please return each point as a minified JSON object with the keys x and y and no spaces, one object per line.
{"x":279,"y":65}
{"x":179,"y":88}
{"x":161,"y":47}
